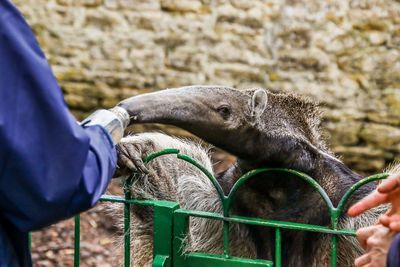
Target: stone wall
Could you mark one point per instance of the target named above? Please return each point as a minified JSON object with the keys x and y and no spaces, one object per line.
{"x":343,"y":54}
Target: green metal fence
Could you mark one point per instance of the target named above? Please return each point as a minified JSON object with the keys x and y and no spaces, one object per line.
{"x":171,"y":222}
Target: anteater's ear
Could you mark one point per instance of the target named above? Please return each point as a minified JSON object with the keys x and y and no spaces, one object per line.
{"x":258,"y":102}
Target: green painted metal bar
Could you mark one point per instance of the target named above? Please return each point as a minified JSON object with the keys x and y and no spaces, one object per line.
{"x":290,"y":225}
{"x":188,"y":159}
{"x":127,"y":235}
{"x":207,"y":173}
{"x":221,"y":195}
{"x":210,"y":260}
{"x":118,"y":199}
{"x":127,"y":222}
{"x":226,"y":238}
{"x":163,"y":231}
{"x":267,"y":223}
{"x":356,"y":186}
{"x":77,"y":240}
{"x":161,"y":261}
{"x":160,"y":153}
{"x":180,"y":230}
{"x":303,"y":176}
{"x":334,"y":244}
{"x":334,"y":223}
{"x":278,"y":247}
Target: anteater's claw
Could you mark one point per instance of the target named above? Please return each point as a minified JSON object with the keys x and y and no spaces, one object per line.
{"x":140,"y":166}
{"x":129,"y":164}
{"x":129,"y":156}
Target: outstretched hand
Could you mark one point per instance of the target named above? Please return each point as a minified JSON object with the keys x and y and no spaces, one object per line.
{"x":387,"y":192}
{"x":376,"y":241}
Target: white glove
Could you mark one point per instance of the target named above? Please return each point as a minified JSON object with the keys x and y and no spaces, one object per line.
{"x":114,"y":120}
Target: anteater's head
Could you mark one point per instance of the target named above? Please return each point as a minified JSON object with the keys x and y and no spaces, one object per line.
{"x":255,"y":124}
{"x":217,"y":114}
{"x":261,"y":128}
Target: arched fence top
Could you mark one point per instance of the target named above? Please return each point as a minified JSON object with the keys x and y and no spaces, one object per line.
{"x":190,"y":160}
{"x":249,"y":175}
{"x":226,"y":201}
{"x":349,"y":193}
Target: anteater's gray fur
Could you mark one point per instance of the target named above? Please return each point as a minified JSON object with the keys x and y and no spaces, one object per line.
{"x":287,"y":131}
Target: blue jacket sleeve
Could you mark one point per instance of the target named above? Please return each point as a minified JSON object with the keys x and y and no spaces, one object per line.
{"x":393,"y":256}
{"x":50,"y":167}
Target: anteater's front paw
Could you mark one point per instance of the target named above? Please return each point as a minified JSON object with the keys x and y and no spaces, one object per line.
{"x":131,"y":153}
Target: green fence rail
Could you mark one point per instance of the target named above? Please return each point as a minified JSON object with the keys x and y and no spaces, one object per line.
{"x":171,"y":222}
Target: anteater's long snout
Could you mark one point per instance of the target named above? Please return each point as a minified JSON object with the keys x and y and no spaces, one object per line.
{"x":172,"y":106}
{"x":193,"y":108}
{"x":152,"y":107}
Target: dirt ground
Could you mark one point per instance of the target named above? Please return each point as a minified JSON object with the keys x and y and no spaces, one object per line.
{"x":54,"y":245}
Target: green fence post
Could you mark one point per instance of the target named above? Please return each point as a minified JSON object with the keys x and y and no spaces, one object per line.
{"x":77,"y":240}
{"x":161,"y":261}
{"x":127,"y":235}
{"x":163,"y":232}
{"x":334,"y":239}
{"x":278,"y":247}
{"x":180,"y":229}
{"x":127,"y":221}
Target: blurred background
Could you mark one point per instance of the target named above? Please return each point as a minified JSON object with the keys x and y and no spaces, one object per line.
{"x":343,"y":54}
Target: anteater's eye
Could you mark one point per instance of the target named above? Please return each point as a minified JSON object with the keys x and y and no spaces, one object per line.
{"x":225,"y":111}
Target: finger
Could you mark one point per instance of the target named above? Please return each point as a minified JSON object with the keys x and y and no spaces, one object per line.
{"x":364,"y":233}
{"x":395,"y":226}
{"x":362,"y":260}
{"x":391,"y":221}
{"x":389,"y":184}
{"x":379,"y":238}
{"x":372,"y":200}
{"x":384,"y":220}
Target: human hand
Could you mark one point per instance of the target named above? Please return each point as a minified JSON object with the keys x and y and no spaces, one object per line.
{"x":114,"y":121}
{"x":387,"y":192}
{"x":376,"y":241}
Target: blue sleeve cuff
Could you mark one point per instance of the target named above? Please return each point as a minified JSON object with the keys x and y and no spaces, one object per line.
{"x":99,"y":168}
{"x":393,"y":256}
